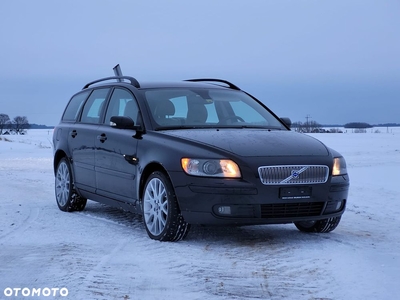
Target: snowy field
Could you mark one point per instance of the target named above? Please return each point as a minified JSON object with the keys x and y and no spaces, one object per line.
{"x":104,"y":253}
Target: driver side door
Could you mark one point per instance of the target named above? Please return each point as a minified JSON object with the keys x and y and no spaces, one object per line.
{"x":116,"y":150}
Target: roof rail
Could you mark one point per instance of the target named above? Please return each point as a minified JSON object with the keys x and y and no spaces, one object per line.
{"x":229,"y":84}
{"x":132,"y":80}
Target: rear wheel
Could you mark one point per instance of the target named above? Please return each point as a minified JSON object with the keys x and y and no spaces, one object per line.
{"x":325,"y":225}
{"x":66,"y":197}
{"x":161,"y":213}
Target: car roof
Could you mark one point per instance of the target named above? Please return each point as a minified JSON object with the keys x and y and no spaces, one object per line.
{"x":190,"y":83}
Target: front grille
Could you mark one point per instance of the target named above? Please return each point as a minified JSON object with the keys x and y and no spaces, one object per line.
{"x":289,"y":210}
{"x":296,"y":174}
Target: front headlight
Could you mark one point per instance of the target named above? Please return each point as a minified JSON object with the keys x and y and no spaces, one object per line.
{"x":339,"y":166}
{"x":211,"y":167}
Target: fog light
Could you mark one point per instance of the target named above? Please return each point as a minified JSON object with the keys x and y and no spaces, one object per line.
{"x":338,"y":205}
{"x":224,"y":210}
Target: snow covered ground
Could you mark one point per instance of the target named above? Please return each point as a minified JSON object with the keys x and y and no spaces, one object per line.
{"x":104,"y":253}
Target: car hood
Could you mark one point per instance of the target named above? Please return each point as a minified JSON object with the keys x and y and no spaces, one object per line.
{"x":255,"y":142}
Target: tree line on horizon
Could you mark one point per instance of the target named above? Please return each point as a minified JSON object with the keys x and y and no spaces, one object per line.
{"x":357,"y":125}
{"x":17,"y":125}
{"x":314,"y":127}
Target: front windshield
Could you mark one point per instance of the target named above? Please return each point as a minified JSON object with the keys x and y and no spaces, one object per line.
{"x":201,"y":108}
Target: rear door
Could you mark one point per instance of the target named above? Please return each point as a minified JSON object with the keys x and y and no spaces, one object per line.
{"x":116,"y":150}
{"x":82,"y":137}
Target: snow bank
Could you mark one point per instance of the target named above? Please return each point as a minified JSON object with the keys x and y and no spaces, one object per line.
{"x":104,"y":253}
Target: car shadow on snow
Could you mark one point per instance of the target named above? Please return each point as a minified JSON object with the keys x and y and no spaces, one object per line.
{"x":249,"y":236}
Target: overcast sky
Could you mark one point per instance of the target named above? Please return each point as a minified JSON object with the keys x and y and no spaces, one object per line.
{"x":336,"y":61}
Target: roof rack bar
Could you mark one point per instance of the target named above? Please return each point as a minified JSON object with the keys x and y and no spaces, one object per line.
{"x":132,"y":80}
{"x":230,"y":85}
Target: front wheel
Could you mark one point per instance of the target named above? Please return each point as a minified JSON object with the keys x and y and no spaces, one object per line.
{"x":161,"y":214}
{"x":66,"y":197}
{"x":325,"y":225}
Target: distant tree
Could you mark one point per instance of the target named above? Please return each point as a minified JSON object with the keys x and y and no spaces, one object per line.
{"x":4,"y":122}
{"x":358,"y":125}
{"x":20,"y":124}
{"x":307,"y":127}
{"x":314,"y":126}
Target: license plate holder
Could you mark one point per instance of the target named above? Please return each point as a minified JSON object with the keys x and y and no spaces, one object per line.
{"x":295,"y":192}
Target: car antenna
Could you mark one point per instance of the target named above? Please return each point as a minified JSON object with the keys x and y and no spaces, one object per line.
{"x":118,"y":72}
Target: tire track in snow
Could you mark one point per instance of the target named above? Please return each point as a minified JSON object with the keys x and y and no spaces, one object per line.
{"x":257,"y":263}
{"x":234,"y":273}
{"x":99,"y":282}
{"x":151,"y":275}
{"x":19,"y":217}
{"x":20,"y":226}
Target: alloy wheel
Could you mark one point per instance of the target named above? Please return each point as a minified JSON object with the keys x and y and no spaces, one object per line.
{"x":62,"y":184}
{"x":155,"y":206}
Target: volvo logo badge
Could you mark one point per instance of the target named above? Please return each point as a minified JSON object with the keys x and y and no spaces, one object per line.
{"x":295,"y":174}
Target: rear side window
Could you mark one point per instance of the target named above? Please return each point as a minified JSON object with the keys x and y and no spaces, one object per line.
{"x":74,"y":106}
{"x":94,"y":106}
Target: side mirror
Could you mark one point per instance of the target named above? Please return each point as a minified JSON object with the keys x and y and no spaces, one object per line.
{"x":287,"y":121}
{"x":122,"y":122}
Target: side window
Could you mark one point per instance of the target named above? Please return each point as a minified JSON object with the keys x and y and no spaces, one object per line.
{"x":122,"y":103}
{"x":74,"y":106}
{"x":94,"y":106}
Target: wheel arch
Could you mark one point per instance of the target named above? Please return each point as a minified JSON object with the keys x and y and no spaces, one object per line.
{"x":57,"y":157}
{"x":150,"y":168}
{"x":174,"y":227}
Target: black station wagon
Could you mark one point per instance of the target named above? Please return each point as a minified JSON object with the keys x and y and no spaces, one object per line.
{"x":200,"y":151}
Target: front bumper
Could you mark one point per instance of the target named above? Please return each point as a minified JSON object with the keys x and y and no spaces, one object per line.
{"x":236,"y":202}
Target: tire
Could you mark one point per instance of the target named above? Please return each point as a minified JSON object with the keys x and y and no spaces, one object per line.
{"x":161,"y":214}
{"x":325,"y":225}
{"x":66,"y":197}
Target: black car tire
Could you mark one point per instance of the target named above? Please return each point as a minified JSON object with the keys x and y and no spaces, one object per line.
{"x":66,"y":197}
{"x":161,"y":214}
{"x":325,"y":225}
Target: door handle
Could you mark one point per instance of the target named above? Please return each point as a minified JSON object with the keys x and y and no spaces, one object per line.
{"x":74,"y":133}
{"x":102,"y":137}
